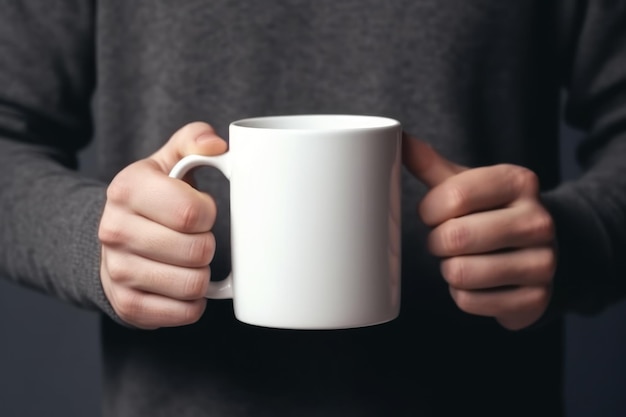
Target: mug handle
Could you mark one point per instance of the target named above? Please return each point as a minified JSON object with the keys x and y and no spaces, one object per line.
{"x":217,"y":289}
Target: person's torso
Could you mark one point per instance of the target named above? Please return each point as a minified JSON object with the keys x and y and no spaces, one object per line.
{"x":476,"y":79}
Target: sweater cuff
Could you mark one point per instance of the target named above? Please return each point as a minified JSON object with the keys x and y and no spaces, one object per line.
{"x":86,"y":253}
{"x":583,"y":279}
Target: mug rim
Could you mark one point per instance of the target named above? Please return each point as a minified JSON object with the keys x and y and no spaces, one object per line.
{"x":325,"y":122}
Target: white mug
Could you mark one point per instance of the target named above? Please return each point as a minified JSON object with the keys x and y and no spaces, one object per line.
{"x":315,"y":220}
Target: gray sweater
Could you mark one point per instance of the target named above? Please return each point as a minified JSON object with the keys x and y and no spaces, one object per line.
{"x":480,"y":80}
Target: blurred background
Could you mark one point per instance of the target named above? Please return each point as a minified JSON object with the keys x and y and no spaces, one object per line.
{"x":50,"y":363}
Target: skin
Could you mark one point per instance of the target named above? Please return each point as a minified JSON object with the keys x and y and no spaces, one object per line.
{"x":495,"y":239}
{"x":156,"y":236}
{"x":496,"y":243}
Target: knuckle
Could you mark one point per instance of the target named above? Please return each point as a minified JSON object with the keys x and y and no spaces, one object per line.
{"x":196,"y":284}
{"x":188,"y":216}
{"x":455,"y":237}
{"x":110,"y":233}
{"x":464,"y":302}
{"x":547,"y":262}
{"x":193,"y":311}
{"x":457,"y":198}
{"x":540,"y":227}
{"x":201,"y":249}
{"x":526,"y":180}
{"x":546,"y":226}
{"x":118,"y":271}
{"x":540,"y":298}
{"x":129,"y":306}
{"x":119,"y":190}
{"x":454,"y":270}
{"x":210,"y":209}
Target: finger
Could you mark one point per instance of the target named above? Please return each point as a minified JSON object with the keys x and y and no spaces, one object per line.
{"x":150,"y":311}
{"x":142,"y":237}
{"x":528,"y":267}
{"x":503,"y":302}
{"x":194,"y":138}
{"x":425,"y":163}
{"x":154,"y":277}
{"x":166,"y":201}
{"x":523,"y":225}
{"x":520,"y":320}
{"x":476,"y":190}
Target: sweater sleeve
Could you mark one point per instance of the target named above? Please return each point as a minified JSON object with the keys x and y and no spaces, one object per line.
{"x":49,"y":214}
{"x":590,"y":212}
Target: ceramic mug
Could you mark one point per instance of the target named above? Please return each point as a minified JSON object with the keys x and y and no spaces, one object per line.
{"x":315,"y":220}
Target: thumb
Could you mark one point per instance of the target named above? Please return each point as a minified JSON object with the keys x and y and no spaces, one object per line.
{"x":197,"y":138}
{"x":425,"y":163}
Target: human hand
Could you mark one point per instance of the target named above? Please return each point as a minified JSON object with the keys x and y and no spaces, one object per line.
{"x":495,"y":238}
{"x":156,"y":236}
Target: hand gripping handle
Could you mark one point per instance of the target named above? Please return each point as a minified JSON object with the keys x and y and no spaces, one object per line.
{"x":217,"y":289}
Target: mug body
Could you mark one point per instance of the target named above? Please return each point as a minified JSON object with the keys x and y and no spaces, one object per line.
{"x":315,"y":213}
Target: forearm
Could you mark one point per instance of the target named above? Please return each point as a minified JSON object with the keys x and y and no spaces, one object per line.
{"x":590,"y":213}
{"x":590,"y":217}
{"x":48,"y":213}
{"x":49,"y":217}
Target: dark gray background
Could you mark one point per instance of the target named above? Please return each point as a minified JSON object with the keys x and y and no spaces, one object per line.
{"x":50,"y":365}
